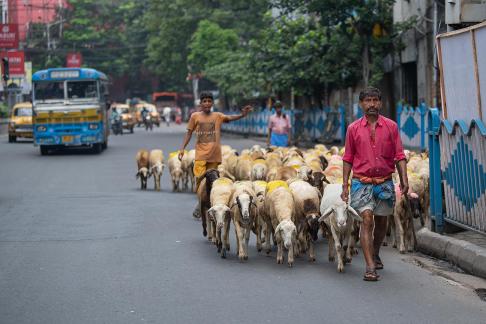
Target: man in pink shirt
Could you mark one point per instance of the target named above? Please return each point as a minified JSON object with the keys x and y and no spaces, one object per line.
{"x":279,"y":128}
{"x":373,"y":148}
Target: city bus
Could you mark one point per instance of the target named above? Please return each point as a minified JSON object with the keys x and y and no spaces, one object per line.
{"x":69,"y":109}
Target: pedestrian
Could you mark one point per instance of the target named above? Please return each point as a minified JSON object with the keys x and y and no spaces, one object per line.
{"x":166,"y":113}
{"x":207,"y":125}
{"x":279,"y":128}
{"x":372,"y":151}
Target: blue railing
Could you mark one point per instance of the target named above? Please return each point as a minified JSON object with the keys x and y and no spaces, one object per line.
{"x":457,"y":172}
{"x":411,"y":121}
{"x":327,"y":124}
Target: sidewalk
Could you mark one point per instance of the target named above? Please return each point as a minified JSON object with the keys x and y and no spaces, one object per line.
{"x":467,"y":249}
{"x":3,"y":126}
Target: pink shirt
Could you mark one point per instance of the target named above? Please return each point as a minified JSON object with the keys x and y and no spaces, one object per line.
{"x":373,"y":158}
{"x":279,"y":125}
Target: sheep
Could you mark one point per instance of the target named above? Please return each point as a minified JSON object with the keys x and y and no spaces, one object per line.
{"x":279,"y":207}
{"x":283,"y":173}
{"x":187,"y":165}
{"x":259,"y":187}
{"x":219,"y":214}
{"x":400,"y":224}
{"x":143,"y":173}
{"x":204,"y":196}
{"x":229,"y":165}
{"x":319,"y":180}
{"x":243,"y":168}
{"x":306,"y":200}
{"x":243,"y":213}
{"x":258,"y":170}
{"x":335,"y":213}
{"x":224,"y":173}
{"x":273,"y":160}
{"x":156,"y":160}
{"x":175,"y":169}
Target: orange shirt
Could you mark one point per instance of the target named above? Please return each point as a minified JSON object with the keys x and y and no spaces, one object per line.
{"x":208,"y":132}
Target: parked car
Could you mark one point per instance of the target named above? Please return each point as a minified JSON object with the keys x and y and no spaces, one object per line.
{"x":128,"y":116}
{"x":20,"y":124}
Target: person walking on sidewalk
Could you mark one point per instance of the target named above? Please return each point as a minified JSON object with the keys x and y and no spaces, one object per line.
{"x":279,"y":128}
{"x":207,"y":125}
{"x":372,"y":150}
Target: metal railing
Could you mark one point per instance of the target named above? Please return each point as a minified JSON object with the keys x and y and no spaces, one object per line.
{"x":457,"y":172}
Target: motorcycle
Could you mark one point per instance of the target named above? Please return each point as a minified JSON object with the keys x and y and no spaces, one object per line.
{"x":117,"y":125}
{"x":148,"y":122}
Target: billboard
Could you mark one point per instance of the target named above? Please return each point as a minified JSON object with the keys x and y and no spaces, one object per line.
{"x":9,"y":36}
{"x":16,"y":63}
{"x":74,"y":60}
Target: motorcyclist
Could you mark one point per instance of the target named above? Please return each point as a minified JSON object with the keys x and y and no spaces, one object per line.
{"x":116,"y":121}
{"x":146,"y":118}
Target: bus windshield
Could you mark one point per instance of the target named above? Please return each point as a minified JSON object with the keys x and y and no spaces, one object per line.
{"x":82,"y":89}
{"x":23,"y":112}
{"x":49,"y":90}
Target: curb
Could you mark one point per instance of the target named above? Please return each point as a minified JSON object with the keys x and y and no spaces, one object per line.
{"x":469,"y":257}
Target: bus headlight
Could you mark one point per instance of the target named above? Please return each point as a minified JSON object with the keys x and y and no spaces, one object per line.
{"x":41,"y":128}
{"x":93,"y":126}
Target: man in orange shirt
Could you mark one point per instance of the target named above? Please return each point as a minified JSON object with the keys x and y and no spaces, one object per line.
{"x":207,"y":125}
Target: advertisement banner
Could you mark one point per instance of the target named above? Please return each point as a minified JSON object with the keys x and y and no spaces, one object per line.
{"x":74,"y":60}
{"x":9,"y":36}
{"x":16,"y":63}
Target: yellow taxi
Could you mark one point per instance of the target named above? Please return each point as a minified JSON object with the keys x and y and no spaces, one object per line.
{"x":20,"y":124}
{"x":128,"y":116}
{"x":154,"y":114}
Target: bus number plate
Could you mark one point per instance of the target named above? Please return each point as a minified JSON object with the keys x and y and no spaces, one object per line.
{"x":67,"y":139}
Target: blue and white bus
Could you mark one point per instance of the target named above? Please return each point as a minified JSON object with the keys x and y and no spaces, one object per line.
{"x":69,"y":109}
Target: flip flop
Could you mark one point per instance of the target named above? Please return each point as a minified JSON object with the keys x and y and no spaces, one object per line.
{"x":378,"y":263}
{"x":371,"y":275}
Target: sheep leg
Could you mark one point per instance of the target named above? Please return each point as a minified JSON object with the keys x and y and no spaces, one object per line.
{"x":290,"y":256}
{"x":331,"y":249}
{"x":279,"y":252}
{"x":246,"y":234}
{"x":339,"y":250}
{"x":349,"y":251}
{"x":312,"y":255}
{"x":215,"y":236}
{"x":258,"y":229}
{"x":401,"y":239}
{"x":226,"y":245}
{"x":268,"y":247}
{"x":240,"y":238}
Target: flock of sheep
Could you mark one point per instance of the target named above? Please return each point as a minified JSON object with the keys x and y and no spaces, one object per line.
{"x":285,"y":196}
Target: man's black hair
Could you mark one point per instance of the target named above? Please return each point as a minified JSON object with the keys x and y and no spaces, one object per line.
{"x":205,"y":95}
{"x":369,"y":92}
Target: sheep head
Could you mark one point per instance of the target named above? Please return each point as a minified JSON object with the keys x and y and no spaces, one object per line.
{"x":305,"y":173}
{"x":220,"y":214}
{"x":312,"y":220}
{"x":157,"y":169}
{"x":259,"y":171}
{"x":143,"y":173}
{"x":415,"y":207}
{"x":286,"y":232}
{"x":244,"y":202}
{"x":176,"y":174}
{"x":340,"y":212}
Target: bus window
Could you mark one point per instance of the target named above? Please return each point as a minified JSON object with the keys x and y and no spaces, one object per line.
{"x":49,"y":90}
{"x":82,"y":90}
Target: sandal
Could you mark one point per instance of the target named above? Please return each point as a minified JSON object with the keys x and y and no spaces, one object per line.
{"x":378,"y":263}
{"x":371,"y":275}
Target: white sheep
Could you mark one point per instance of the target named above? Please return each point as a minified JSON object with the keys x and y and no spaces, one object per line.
{"x":219,"y":214}
{"x":279,"y":206}
{"x":143,"y":173}
{"x":175,"y":169}
{"x":243,"y":213}
{"x":306,"y":201}
{"x":156,"y":164}
{"x":335,"y":213}
{"x":187,"y":165}
{"x":258,"y":170}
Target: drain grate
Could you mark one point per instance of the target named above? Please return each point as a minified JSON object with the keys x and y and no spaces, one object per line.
{"x":481,"y":293}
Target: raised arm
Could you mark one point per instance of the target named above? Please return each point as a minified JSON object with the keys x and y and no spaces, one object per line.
{"x":244,"y":112}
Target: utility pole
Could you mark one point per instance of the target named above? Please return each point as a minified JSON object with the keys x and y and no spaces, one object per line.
{"x":4,"y":11}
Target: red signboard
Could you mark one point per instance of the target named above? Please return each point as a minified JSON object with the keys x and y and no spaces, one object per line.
{"x":74,"y":60}
{"x":9,"y":36}
{"x":15,"y":62}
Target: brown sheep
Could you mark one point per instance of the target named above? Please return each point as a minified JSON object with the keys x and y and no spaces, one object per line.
{"x":143,"y":173}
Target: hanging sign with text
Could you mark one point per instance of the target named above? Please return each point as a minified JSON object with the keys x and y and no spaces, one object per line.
{"x":9,"y":36}
{"x":74,"y":60}
{"x":15,"y":62}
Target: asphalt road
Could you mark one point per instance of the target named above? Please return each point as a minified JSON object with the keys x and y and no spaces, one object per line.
{"x":80,"y":243}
